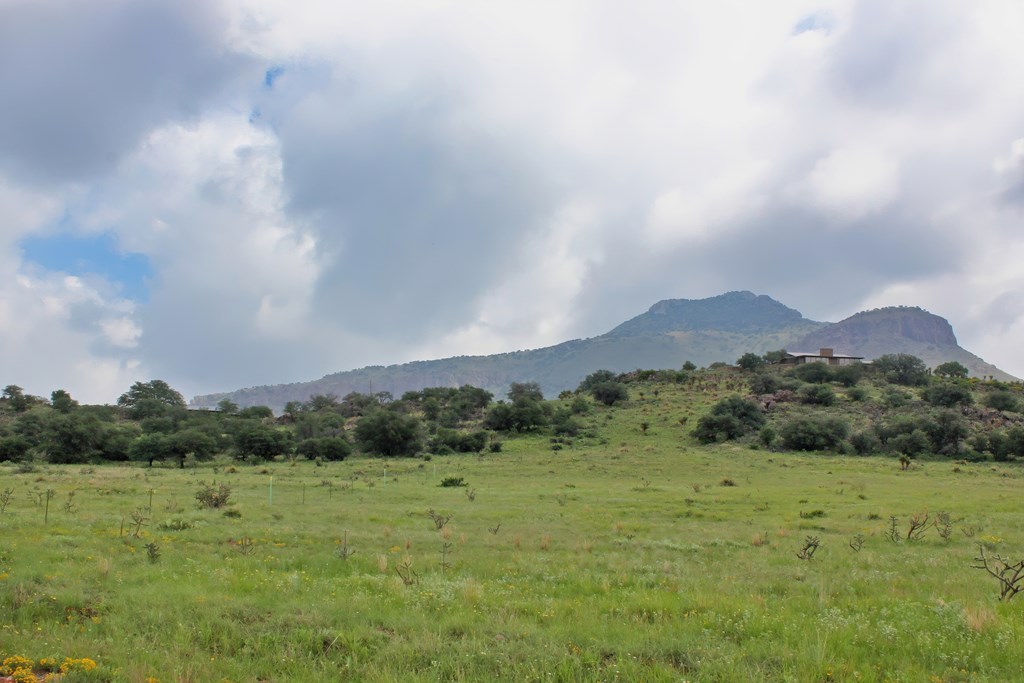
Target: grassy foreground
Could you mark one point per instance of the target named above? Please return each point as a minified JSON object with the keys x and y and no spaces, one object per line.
{"x":628,"y":559}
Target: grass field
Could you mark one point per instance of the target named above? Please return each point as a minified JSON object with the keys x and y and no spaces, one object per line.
{"x":636,"y":556}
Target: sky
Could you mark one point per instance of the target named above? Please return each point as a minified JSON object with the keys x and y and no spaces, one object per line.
{"x":231,"y":193}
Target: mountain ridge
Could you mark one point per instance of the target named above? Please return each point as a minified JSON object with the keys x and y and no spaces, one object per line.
{"x":669,"y":333}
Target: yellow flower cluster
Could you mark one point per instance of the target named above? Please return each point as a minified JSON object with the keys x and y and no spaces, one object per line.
{"x":19,"y":669}
{"x":70,"y":664}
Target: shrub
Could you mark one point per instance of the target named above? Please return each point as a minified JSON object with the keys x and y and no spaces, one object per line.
{"x":814,"y":433}
{"x":388,"y":433}
{"x":334,"y":448}
{"x":213,"y":496}
{"x":730,"y":418}
{"x":948,"y":394}
{"x":815,"y":373}
{"x":848,"y":375}
{"x":609,"y":393}
{"x":1002,"y":400}
{"x":856,"y":394}
{"x":750,"y":361}
{"x":865,"y":443}
{"x":910,"y":444}
{"x":564,"y":424}
{"x":902,"y":368}
{"x":894,"y":398}
{"x":951,"y":370}
{"x":817,"y":394}
{"x":764,"y":383}
{"x":946,"y":432}
{"x":453,"y":482}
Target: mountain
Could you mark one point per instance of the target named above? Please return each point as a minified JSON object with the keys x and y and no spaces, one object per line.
{"x":669,"y":333}
{"x":899,"y":329}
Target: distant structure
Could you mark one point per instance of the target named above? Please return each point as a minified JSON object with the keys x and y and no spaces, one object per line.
{"x":826,"y":356}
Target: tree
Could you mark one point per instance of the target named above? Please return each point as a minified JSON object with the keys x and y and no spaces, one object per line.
{"x":595,"y":378}
{"x":525,"y":390}
{"x":815,"y":373}
{"x":817,"y":394}
{"x":150,"y":447}
{"x":688,"y":366}
{"x":227,"y":407}
{"x":1002,"y":400}
{"x":388,"y":432}
{"x":948,"y":394}
{"x":145,"y":399}
{"x":730,"y":418}
{"x":773,"y":357}
{"x":14,"y":448}
{"x":814,"y":433}
{"x":332,"y":448}
{"x":902,"y":368}
{"x":62,"y":401}
{"x":194,"y":442}
{"x":750,"y":361}
{"x":16,"y":398}
{"x":951,"y":370}
{"x":262,"y":441}
{"x":609,"y":393}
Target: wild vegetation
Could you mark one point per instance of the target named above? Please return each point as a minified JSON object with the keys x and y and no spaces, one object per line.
{"x":707,"y":525}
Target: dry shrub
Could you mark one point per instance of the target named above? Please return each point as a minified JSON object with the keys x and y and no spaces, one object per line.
{"x":382,"y":563}
{"x":545,"y":541}
{"x":759,"y":539}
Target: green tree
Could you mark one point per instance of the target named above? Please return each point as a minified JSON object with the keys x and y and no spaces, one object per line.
{"x":1002,"y":400}
{"x":227,"y":407}
{"x":948,"y":394}
{"x":815,"y":373}
{"x":814,"y":433}
{"x":16,"y":398}
{"x":150,"y":399}
{"x":750,"y":361}
{"x":730,"y":418}
{"x":14,"y":448}
{"x":389,"y":432}
{"x":525,"y":390}
{"x":62,"y":401}
{"x":951,"y":370}
{"x":902,"y":368}
{"x":609,"y":393}
{"x":595,"y":378}
{"x":150,"y":447}
{"x":817,"y":394}
{"x":332,"y":448}
{"x":261,"y":441}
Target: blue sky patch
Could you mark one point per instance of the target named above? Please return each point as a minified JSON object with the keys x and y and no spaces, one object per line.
{"x":273,"y":73}
{"x":91,"y":255}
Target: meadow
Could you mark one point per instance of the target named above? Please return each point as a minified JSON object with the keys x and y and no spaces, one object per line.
{"x":632,"y":555}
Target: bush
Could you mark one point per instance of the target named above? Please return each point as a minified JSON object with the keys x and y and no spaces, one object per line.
{"x":948,"y":394}
{"x":609,"y":393}
{"x":856,"y":394}
{"x":453,"y":482}
{"x":1002,"y":400}
{"x":946,"y":432}
{"x":894,"y":398}
{"x":814,"y":433}
{"x":213,"y":497}
{"x":334,"y":448}
{"x":730,"y":418}
{"x":910,"y":444}
{"x":389,"y":433}
{"x":848,"y":375}
{"x":453,"y":441}
{"x":764,"y":383}
{"x":750,"y":361}
{"x":902,"y":368}
{"x":865,"y":443}
{"x":595,"y":378}
{"x":564,"y":424}
{"x":817,"y":394}
{"x":815,"y":373}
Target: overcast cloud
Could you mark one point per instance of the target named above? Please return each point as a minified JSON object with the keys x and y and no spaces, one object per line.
{"x":319,"y":186}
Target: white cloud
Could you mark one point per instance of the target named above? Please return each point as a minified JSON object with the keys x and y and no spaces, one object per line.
{"x":443,"y":178}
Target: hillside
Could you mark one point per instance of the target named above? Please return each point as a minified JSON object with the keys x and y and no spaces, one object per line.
{"x":669,"y":333}
{"x":902,"y":329}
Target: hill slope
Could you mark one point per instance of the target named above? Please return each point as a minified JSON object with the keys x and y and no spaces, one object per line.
{"x":671,"y":332}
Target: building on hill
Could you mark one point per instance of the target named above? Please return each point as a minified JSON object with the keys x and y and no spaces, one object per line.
{"x":822,"y":356}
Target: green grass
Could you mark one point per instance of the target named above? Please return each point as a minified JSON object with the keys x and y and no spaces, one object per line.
{"x":620,"y":557}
